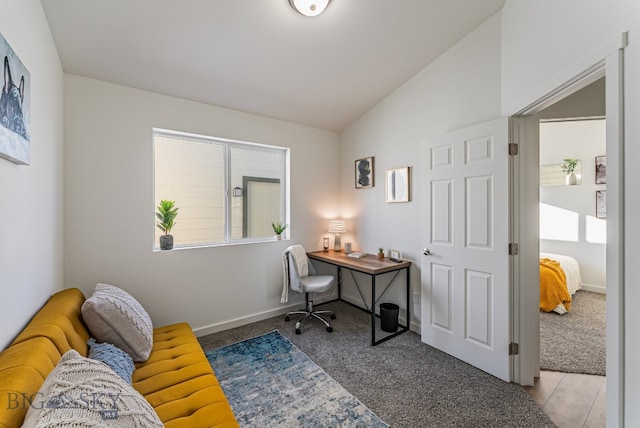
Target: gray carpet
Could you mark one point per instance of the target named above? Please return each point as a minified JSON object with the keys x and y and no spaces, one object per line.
{"x":405,"y":382}
{"x":575,"y":342}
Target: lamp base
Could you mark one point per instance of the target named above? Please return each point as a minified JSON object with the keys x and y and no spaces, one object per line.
{"x":337,"y":245}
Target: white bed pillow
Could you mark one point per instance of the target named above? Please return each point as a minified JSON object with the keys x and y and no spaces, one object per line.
{"x":81,"y":392}
{"x":114,"y":316}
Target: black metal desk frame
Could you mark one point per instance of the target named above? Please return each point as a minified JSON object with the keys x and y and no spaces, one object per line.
{"x":373,"y":267}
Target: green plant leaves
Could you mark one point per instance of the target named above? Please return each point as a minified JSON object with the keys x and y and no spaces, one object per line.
{"x":166,"y":214}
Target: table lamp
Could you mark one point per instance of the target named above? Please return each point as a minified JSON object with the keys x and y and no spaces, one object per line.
{"x":337,"y":227}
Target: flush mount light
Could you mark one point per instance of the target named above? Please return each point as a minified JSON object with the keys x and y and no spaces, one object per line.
{"x":309,"y":7}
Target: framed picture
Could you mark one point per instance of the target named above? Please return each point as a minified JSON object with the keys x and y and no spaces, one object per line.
{"x":397,"y":185}
{"x":601,"y":170}
{"x":364,"y":173}
{"x":394,"y":254}
{"x":601,"y":204}
{"x":15,"y":112}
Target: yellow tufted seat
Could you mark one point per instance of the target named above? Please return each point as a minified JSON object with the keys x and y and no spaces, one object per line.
{"x":179,"y":383}
{"x":177,"y":379}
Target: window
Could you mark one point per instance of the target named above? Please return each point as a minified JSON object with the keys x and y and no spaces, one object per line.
{"x":226,"y":191}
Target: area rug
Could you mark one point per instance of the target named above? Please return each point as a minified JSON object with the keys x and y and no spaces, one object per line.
{"x":576,"y":341}
{"x":269,"y":382}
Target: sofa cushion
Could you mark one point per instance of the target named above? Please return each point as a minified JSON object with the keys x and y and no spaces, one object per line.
{"x":114,"y":316}
{"x":59,"y":321}
{"x":81,"y":392}
{"x":54,"y":329}
{"x":117,"y":360}
{"x":179,"y":383}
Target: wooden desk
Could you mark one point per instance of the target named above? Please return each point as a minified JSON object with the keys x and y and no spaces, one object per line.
{"x":372,"y":266}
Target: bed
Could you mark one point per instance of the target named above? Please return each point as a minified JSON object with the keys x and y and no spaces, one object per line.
{"x":559,"y":280}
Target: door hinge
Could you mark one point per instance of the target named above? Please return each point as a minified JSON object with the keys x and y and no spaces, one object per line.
{"x":513,"y":149}
{"x":513,"y":249}
{"x":513,"y":348}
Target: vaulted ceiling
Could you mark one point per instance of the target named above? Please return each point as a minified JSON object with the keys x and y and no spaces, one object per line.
{"x":259,"y":56}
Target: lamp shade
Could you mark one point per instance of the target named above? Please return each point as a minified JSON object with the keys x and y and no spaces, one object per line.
{"x":309,"y":7}
{"x":337,"y":226}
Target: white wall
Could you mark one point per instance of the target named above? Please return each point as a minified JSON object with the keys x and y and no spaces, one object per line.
{"x":109,"y":207}
{"x":583,"y":140}
{"x":31,"y":244}
{"x":548,"y":42}
{"x":460,"y":88}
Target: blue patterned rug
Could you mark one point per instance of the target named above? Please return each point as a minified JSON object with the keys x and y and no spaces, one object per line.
{"x":271,"y":383}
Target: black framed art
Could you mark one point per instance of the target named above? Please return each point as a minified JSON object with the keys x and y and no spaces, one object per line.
{"x":364,"y":173}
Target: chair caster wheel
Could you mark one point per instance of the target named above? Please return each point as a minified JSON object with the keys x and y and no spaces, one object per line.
{"x":298,"y":331}
{"x":333,"y":316}
{"x":329,"y":329}
{"x":287,"y":318}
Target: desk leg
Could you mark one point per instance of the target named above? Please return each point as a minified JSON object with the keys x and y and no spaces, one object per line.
{"x":339,"y":283}
{"x":408,"y":301}
{"x":373,"y":310}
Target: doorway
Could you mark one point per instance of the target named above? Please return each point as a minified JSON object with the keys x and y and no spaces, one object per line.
{"x":261,"y":206}
{"x":572,"y":150}
{"x":525,"y":214}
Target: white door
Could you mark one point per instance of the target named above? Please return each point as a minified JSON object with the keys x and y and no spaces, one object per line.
{"x":465,"y":280}
{"x":263,"y":201}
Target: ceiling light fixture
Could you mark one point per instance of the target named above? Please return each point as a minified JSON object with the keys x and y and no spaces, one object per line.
{"x":309,"y":7}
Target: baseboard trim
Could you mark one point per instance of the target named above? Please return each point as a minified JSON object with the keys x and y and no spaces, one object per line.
{"x":595,"y":288}
{"x":237,"y":322}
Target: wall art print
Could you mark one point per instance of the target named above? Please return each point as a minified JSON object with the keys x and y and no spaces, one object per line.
{"x":397,"y":185}
{"x":601,"y":170}
{"x":601,"y":204}
{"x":15,"y":106}
{"x":364,"y":173}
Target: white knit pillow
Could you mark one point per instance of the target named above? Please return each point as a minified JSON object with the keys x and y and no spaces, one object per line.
{"x":81,"y":392}
{"x":114,"y":316}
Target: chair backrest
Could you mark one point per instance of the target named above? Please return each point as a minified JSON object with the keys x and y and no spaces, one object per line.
{"x":295,"y":281}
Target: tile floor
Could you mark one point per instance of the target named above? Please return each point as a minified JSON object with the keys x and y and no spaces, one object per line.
{"x":571,"y":400}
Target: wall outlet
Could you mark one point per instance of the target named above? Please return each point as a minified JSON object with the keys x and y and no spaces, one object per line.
{"x":416,"y":298}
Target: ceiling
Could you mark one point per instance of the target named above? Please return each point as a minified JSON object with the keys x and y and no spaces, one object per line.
{"x":259,"y":56}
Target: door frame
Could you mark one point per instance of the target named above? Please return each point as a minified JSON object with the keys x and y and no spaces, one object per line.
{"x":246,"y":207}
{"x":524,"y":188}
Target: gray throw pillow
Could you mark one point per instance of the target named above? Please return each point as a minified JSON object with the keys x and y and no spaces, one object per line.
{"x":114,"y":316}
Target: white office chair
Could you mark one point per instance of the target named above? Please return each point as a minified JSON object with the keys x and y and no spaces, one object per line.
{"x":296,"y":259}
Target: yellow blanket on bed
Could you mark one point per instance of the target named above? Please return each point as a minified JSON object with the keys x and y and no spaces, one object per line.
{"x":553,"y":286}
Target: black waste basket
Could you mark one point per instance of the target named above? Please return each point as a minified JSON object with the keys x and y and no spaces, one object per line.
{"x":389,"y":317}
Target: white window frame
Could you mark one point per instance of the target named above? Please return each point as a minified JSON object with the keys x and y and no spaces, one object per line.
{"x":228,"y":191}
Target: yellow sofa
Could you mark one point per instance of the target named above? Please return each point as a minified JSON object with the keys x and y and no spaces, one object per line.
{"x":176,"y":380}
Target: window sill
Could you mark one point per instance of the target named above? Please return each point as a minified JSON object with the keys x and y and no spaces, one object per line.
{"x":221,"y":244}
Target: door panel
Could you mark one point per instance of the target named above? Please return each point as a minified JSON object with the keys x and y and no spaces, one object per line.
{"x":465,"y":282}
{"x":442,"y":301}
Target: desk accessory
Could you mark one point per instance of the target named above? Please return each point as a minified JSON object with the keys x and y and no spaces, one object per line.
{"x":357,"y":255}
{"x":337,"y":227}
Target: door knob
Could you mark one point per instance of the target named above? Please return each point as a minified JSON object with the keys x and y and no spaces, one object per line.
{"x":426,"y":252}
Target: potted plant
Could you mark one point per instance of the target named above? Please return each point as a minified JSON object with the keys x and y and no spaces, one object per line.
{"x":278,"y":228}
{"x":381,"y":253}
{"x":166,"y":214}
{"x":568,"y":168}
